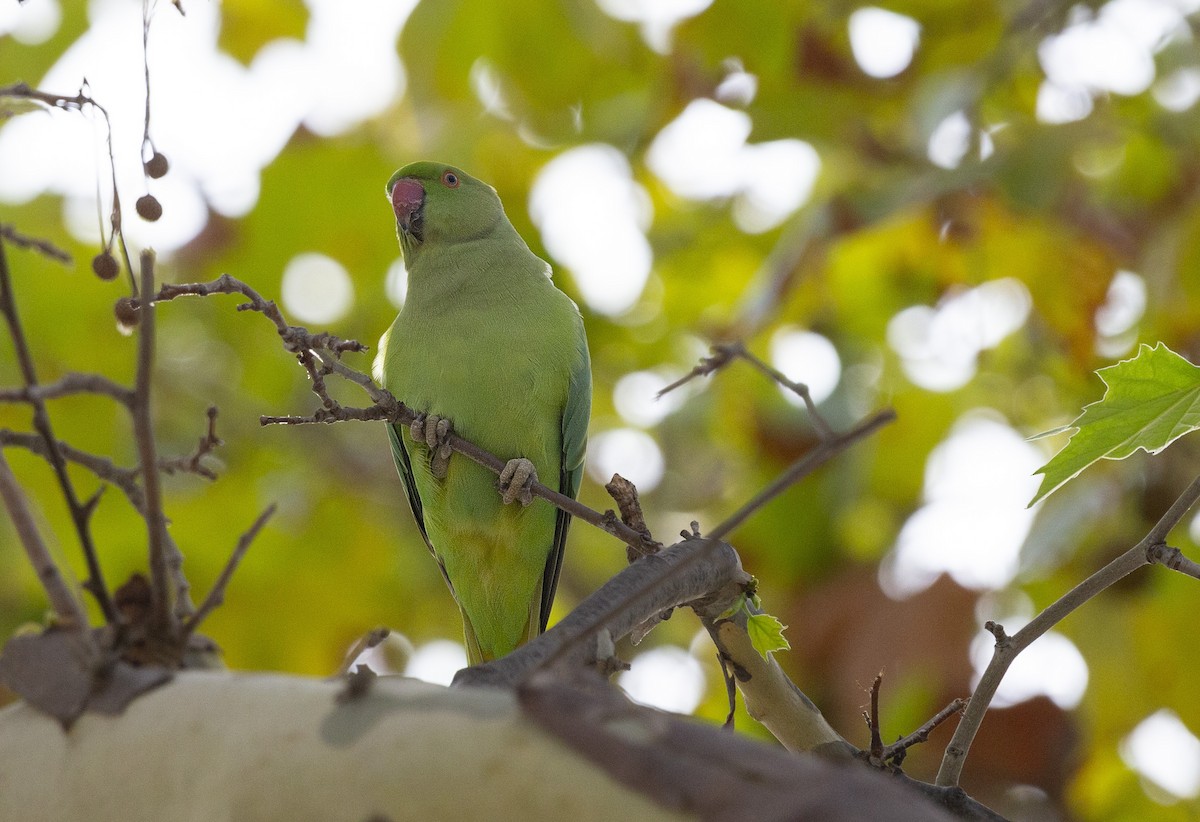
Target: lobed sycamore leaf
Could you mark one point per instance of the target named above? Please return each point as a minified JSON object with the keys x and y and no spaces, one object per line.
{"x":766,"y":634}
{"x":1149,"y":402}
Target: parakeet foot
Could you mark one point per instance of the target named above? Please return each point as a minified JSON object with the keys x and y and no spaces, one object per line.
{"x":516,"y":481}
{"x":434,"y":431}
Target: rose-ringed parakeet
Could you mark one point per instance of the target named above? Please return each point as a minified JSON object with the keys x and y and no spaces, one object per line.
{"x":487,"y":345}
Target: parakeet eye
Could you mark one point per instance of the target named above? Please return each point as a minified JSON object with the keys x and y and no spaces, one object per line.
{"x":450,"y":179}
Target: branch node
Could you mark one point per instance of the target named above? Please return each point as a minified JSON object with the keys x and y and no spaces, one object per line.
{"x":1162,"y":554}
{"x":997,"y":630}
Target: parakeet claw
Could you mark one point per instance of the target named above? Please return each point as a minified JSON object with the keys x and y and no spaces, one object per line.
{"x":516,"y":481}
{"x":434,"y":431}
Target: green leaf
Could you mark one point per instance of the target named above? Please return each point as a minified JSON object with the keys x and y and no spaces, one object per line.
{"x":1151,"y":401}
{"x":766,"y":633}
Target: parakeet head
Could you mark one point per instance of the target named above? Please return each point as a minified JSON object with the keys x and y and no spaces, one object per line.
{"x":439,"y":204}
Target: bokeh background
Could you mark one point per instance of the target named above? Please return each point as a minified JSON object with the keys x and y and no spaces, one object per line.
{"x":956,"y":209}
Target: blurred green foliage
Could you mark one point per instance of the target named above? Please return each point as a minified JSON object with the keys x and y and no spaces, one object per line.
{"x":885,"y":230}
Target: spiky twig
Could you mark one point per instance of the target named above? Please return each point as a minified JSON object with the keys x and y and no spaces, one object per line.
{"x":80,"y":511}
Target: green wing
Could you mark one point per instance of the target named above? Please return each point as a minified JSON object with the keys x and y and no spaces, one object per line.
{"x":574,"y":444}
{"x":404,"y":467}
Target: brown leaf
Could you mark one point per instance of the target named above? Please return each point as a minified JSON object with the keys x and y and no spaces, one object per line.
{"x":52,"y":671}
{"x":61,"y":673}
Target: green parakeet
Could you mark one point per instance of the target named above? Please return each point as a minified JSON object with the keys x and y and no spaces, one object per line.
{"x":485,"y":342}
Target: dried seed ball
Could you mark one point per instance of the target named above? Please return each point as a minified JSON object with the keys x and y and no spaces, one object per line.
{"x":127,"y":311}
{"x":157,"y":165}
{"x":149,"y":208}
{"x":105,"y":266}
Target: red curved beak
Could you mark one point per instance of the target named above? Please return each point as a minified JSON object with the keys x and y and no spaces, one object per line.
{"x":408,"y":195}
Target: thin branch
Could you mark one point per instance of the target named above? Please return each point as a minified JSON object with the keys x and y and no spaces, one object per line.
{"x":920,"y":735}
{"x":105,"y":469}
{"x":216,"y":594}
{"x":797,"y":388}
{"x":1174,"y":514}
{"x":143,"y":426}
{"x":69,"y":611}
{"x":323,"y":416}
{"x":69,"y":385}
{"x":74,"y":102}
{"x":876,"y":749}
{"x":125,"y":479}
{"x":80,"y":513}
{"x":364,"y":643}
{"x":721,"y":356}
{"x":725,"y":353}
{"x":1007,"y":648}
{"x":295,"y":338}
{"x":192,"y":463}
{"x":822,"y":453}
{"x":44,"y":247}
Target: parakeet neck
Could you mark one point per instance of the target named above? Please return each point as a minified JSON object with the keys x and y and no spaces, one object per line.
{"x":481,"y":269}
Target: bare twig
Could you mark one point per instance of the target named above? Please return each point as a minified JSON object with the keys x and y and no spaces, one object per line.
{"x":74,"y":102}
{"x":876,"y":749}
{"x":1168,"y":521}
{"x":797,"y":388}
{"x":44,"y":247}
{"x":125,"y":479}
{"x":364,"y":643}
{"x":725,"y":353}
{"x":68,"y":610}
{"x":69,"y":385}
{"x":192,"y":463}
{"x":294,"y":337}
{"x":324,"y":416}
{"x":105,"y":469}
{"x":721,"y":356}
{"x":216,"y":594}
{"x":1007,"y":648}
{"x":896,"y":750}
{"x":80,"y":512}
{"x":802,"y":467}
{"x":162,"y":618}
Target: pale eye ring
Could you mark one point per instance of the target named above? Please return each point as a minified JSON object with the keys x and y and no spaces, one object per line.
{"x":450,"y":179}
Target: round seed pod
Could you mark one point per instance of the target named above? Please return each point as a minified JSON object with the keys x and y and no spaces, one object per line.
{"x":149,"y":208}
{"x":105,"y":266}
{"x":157,"y":166}
{"x":128,"y":311}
